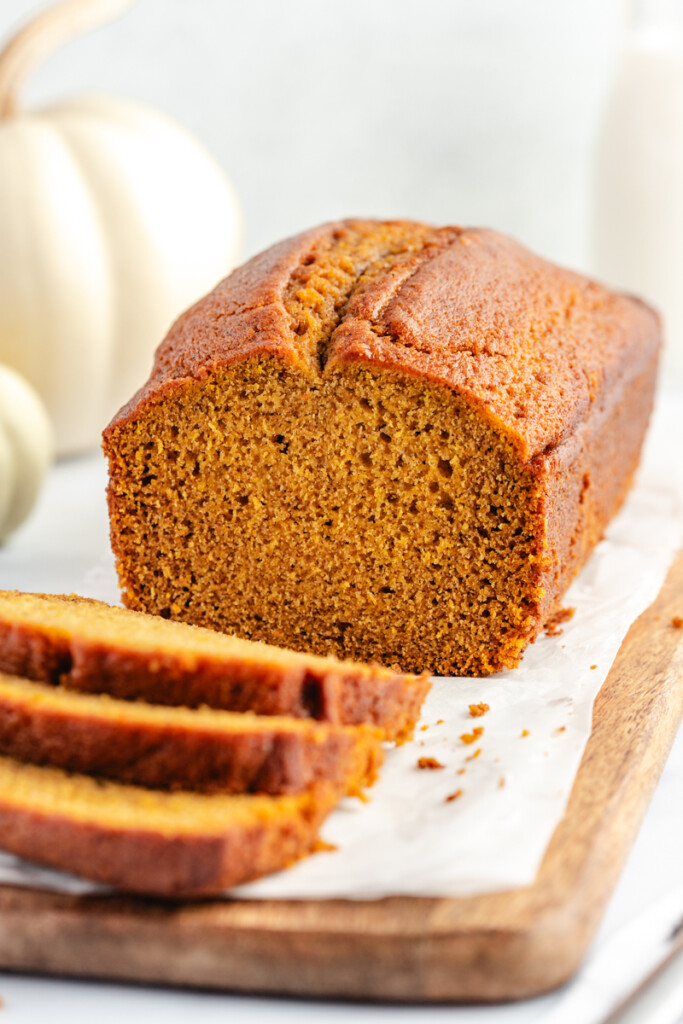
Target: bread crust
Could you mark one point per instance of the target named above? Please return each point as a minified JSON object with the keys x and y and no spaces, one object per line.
{"x":337,"y":692}
{"x":560,"y":366}
{"x":169,"y":866}
{"x":98,"y":736}
{"x":532,"y":346}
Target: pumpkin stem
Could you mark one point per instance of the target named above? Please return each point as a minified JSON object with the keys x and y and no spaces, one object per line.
{"x":45,"y":33}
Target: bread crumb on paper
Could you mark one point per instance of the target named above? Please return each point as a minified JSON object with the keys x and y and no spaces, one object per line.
{"x":454,"y":796}
{"x":476,"y":710}
{"x":476,"y":753}
{"x":552,"y":626}
{"x":472,"y":737}
{"x":321,"y":846}
{"x":429,"y":762}
{"x":525,"y":732}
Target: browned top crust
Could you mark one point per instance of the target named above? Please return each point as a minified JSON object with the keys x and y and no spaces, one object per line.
{"x":532,"y":346}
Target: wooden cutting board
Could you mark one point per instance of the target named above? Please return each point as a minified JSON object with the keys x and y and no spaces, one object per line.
{"x":504,"y":946}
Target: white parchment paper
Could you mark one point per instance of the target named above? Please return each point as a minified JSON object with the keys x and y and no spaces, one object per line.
{"x":515,"y":778}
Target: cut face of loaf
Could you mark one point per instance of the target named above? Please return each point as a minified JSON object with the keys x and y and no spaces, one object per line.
{"x":367,"y":516}
{"x":93,"y":647}
{"x":384,"y":441}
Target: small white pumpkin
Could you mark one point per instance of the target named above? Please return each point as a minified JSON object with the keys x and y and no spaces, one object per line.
{"x":112,"y":221}
{"x":25,"y":449}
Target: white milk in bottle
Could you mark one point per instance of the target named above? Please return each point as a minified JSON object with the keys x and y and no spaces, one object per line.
{"x":638,"y":199}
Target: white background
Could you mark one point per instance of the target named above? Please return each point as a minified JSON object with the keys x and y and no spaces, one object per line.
{"x":460,"y":111}
{"x":454,"y":111}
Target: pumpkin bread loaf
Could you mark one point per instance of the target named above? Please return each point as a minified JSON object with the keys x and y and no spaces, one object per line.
{"x":151,"y":842}
{"x":179,"y":748}
{"x":382,"y":440}
{"x":90,"y":646}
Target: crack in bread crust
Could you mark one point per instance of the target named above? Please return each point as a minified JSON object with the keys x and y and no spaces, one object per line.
{"x":322,"y":289}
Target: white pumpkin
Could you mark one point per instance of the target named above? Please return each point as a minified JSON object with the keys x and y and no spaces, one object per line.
{"x":25,"y":449}
{"x":112,"y":221}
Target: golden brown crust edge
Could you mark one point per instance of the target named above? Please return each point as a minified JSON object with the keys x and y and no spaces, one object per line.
{"x":529,"y":344}
{"x":586,"y":481}
{"x":168,"y":755}
{"x":391,"y":702}
{"x":169,"y":867}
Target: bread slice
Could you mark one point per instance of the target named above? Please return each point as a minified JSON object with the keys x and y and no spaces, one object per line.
{"x":150,"y":842}
{"x":94,"y":647}
{"x":179,"y":748}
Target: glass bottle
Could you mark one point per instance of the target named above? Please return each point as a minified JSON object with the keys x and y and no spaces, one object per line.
{"x":638,"y":198}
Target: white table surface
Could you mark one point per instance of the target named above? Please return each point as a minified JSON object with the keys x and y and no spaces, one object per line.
{"x":66,"y":534}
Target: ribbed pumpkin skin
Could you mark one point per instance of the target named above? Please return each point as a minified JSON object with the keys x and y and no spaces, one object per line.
{"x":112,"y":220}
{"x":25,"y":449}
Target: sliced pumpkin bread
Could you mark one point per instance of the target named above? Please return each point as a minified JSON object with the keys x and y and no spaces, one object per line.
{"x":178,"y":748}
{"x":91,"y":646}
{"x":151,"y":842}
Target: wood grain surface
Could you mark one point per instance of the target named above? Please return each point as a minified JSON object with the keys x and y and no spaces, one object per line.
{"x":498,"y":947}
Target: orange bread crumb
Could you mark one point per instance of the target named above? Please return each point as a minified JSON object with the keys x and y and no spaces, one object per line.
{"x":476,"y":710}
{"x":552,"y":626}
